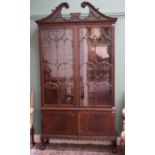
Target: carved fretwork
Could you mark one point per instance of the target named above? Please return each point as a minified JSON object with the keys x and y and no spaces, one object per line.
{"x":94,"y":15}
{"x":75,"y":16}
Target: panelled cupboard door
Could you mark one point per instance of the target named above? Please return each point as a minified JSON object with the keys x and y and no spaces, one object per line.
{"x":57,"y":122}
{"x":96,"y":123}
{"x":57,"y":63}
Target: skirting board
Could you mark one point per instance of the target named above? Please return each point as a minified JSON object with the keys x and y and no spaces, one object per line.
{"x":37,"y":140}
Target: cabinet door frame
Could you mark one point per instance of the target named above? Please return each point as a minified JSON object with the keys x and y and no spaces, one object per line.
{"x":44,"y":27}
{"x":101,"y":24}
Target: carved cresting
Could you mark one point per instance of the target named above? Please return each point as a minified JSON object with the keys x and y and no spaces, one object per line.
{"x":56,"y":15}
{"x":94,"y":15}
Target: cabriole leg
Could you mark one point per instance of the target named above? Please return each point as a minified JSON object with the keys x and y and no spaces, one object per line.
{"x":114,"y":146}
{"x":44,"y":141}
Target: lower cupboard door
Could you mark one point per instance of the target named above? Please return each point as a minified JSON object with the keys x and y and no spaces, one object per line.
{"x":96,"y":123}
{"x":57,"y":122}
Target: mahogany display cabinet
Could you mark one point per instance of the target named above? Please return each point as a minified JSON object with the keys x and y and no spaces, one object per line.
{"x":77,"y":75}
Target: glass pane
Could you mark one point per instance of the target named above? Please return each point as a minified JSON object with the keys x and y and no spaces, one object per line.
{"x":95,"y":66}
{"x":57,"y":55}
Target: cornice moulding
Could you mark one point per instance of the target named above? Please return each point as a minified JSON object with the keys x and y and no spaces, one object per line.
{"x":112,"y":14}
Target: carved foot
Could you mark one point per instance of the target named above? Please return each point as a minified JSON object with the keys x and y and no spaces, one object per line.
{"x":44,"y":141}
{"x":114,"y":146}
{"x":32,"y":136}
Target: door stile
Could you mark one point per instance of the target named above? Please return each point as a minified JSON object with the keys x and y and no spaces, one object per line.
{"x":76,"y":65}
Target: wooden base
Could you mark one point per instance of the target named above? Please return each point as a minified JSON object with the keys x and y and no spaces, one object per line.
{"x":45,"y":139}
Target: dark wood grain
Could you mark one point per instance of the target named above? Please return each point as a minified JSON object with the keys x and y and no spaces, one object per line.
{"x":96,"y":123}
{"x":59,"y":122}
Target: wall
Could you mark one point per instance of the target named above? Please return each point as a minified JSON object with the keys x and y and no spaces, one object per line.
{"x":40,"y":7}
{"x":115,"y":8}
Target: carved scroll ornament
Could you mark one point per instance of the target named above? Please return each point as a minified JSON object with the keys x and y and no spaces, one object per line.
{"x":94,"y":15}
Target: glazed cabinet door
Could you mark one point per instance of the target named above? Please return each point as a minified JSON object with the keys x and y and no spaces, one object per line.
{"x":57,"y":73}
{"x":96,"y":66}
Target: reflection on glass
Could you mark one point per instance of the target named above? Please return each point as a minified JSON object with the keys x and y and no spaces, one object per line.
{"x":58,"y":66}
{"x":95,"y":62}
